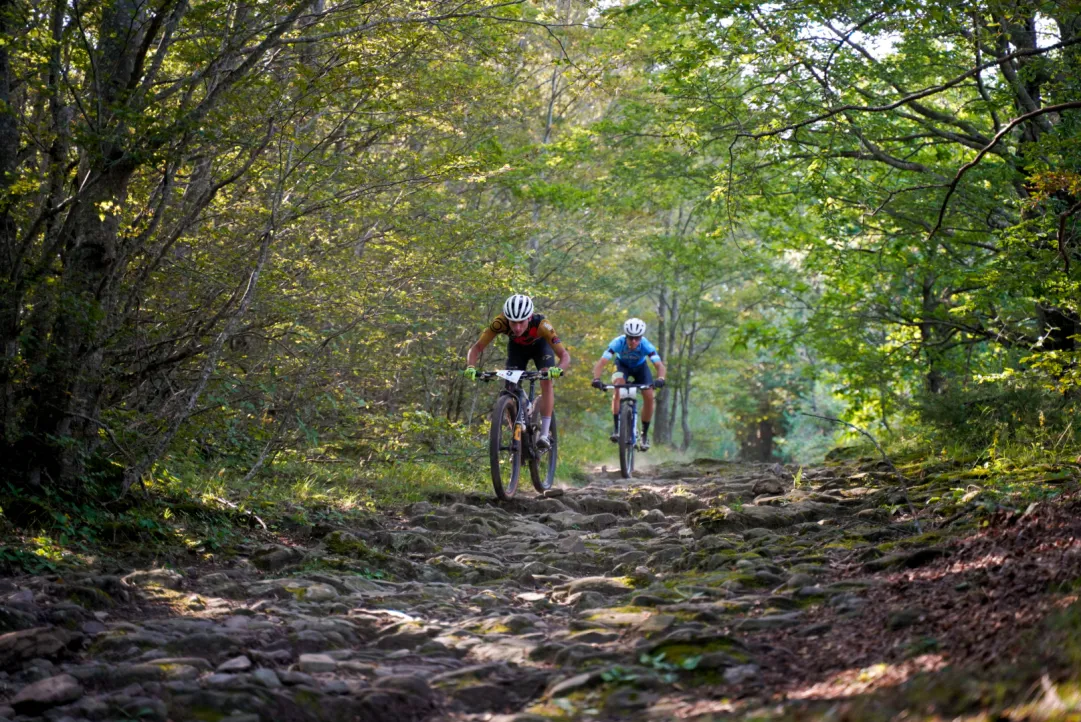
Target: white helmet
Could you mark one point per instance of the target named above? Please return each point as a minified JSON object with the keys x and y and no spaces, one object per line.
{"x":634,"y":327}
{"x":518,"y":307}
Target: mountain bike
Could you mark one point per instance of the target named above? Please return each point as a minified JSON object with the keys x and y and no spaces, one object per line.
{"x":516,"y":425}
{"x":628,"y":424}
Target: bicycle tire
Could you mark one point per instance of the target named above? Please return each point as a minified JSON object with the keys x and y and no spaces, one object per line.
{"x":542,"y":484}
{"x":506,"y":461}
{"x":626,"y":441}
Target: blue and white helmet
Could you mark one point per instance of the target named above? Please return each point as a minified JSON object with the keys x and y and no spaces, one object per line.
{"x":634,"y":327}
{"x":518,"y":307}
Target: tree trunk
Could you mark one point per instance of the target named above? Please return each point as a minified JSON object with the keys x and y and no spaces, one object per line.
{"x":685,"y":383}
{"x":758,"y":444}
{"x":684,"y":413}
{"x":9,"y":298}
{"x":662,"y":430}
{"x":934,"y":380}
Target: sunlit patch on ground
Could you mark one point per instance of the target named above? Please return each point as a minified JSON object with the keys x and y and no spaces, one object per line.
{"x":877,"y":676}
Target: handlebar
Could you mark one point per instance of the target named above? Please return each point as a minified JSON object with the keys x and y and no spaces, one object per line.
{"x":626,"y":386}
{"x":526,"y":375}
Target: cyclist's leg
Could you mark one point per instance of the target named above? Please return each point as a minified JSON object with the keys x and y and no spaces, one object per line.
{"x":517,"y":359}
{"x":618,"y":379}
{"x":518,"y":356}
{"x":642,"y":375}
{"x":545,"y":358}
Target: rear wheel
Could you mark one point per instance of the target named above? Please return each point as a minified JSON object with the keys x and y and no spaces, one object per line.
{"x":546,"y":463}
{"x":626,"y":441}
{"x":505,"y":451}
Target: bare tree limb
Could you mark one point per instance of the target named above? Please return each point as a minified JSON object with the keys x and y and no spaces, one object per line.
{"x":987,"y":149}
{"x":900,"y":477}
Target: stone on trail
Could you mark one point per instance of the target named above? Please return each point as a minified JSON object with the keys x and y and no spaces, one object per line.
{"x":767,"y":517}
{"x":569,"y":520}
{"x":906,"y":559}
{"x":316,"y":663}
{"x":484,"y":697}
{"x":267,"y":677}
{"x":292,"y":588}
{"x":656,"y":623}
{"x":572,"y":545}
{"x":550,"y":505}
{"x":50,"y":692}
{"x":741,"y":674}
{"x":619,"y":618}
{"x":573,"y":684}
{"x":771,"y":621}
{"x":509,"y":649}
{"x":770,"y":487}
{"x":601,"y":504}
{"x":654,"y":516}
{"x":275,"y":557}
{"x":236,"y":664}
{"x":45,"y":642}
{"x":679,"y":504}
{"x":593,"y":636}
{"x":164,"y":578}
{"x":600,"y":585}
{"x":525,"y":528}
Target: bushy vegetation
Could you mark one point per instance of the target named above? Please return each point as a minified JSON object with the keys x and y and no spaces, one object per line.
{"x":990,"y":417}
{"x":242,"y":273}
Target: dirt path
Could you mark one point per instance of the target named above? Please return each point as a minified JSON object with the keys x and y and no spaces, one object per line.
{"x":702,"y":591}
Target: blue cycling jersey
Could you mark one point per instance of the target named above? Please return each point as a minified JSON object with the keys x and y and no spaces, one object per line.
{"x":621,"y":352}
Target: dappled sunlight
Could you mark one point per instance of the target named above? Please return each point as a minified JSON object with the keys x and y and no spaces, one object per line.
{"x":852,"y":682}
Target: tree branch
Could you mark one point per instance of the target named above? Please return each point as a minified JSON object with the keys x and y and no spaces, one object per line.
{"x":987,"y":149}
{"x":900,"y":477}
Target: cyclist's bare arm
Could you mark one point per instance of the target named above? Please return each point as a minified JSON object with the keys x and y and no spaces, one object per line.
{"x":562,"y":354}
{"x":598,"y":368}
{"x":660,"y":369}
{"x":473,"y":355}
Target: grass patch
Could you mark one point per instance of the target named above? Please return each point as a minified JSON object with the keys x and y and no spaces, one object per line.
{"x":189,"y":513}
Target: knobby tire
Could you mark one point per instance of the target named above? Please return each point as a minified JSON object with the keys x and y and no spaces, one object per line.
{"x":506,"y":464}
{"x":542,"y":484}
{"x":626,"y":441}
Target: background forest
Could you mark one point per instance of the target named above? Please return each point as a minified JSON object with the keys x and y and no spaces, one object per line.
{"x":246,"y":246}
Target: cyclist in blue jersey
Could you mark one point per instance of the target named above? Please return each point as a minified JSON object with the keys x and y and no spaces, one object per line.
{"x":630,"y":352}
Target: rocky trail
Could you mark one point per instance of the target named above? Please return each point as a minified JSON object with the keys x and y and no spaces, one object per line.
{"x":702,"y":591}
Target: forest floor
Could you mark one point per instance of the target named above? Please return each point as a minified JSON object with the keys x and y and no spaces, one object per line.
{"x":697,"y":591}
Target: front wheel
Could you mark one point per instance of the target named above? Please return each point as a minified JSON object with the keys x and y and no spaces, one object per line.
{"x":504,"y":450}
{"x":626,"y":441}
{"x":549,"y":458}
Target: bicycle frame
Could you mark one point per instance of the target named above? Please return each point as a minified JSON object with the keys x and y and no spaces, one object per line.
{"x":632,"y":399}
{"x":522,"y":424}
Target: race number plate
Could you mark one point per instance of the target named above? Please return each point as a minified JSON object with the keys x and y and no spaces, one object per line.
{"x":511,"y":376}
{"x":628,"y":393}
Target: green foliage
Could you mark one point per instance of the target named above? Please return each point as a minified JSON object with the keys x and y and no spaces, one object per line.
{"x":987,"y":417}
{"x":291,"y":268}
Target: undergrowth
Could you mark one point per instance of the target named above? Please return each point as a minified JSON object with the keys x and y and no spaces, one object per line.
{"x":193,"y":509}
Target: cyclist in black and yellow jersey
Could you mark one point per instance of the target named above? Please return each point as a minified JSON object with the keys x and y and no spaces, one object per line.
{"x":531,"y":337}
